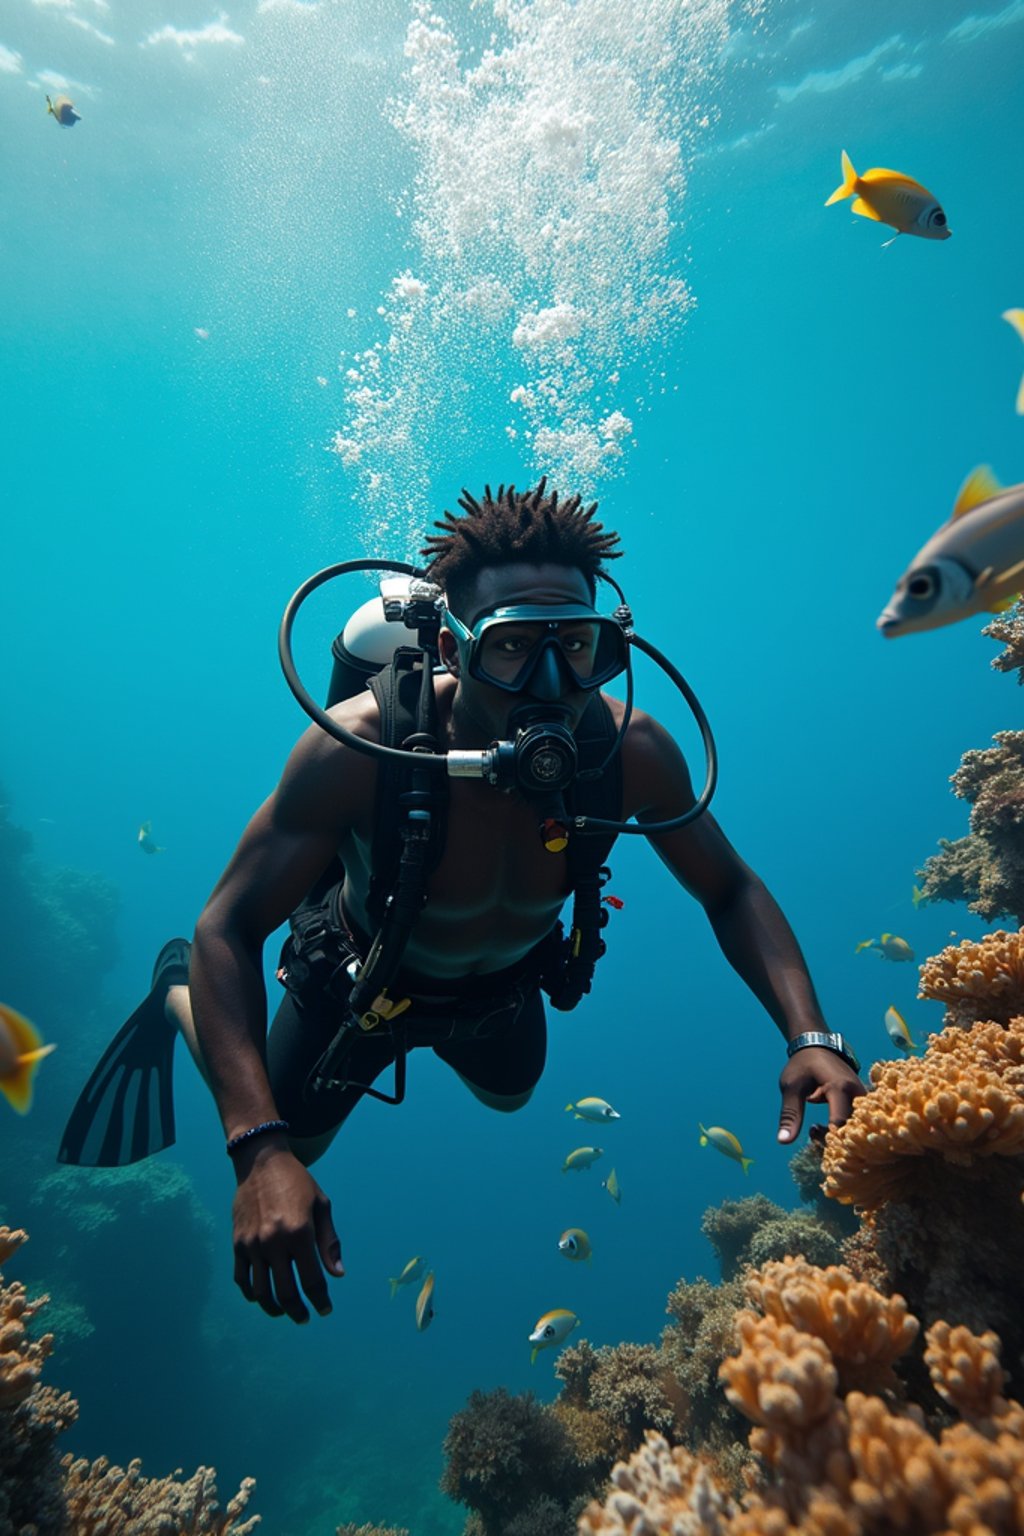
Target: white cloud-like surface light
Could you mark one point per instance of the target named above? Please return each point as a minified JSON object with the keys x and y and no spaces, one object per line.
{"x":188,"y":39}
{"x":10,"y":62}
{"x":976,"y":26}
{"x":821,"y":81}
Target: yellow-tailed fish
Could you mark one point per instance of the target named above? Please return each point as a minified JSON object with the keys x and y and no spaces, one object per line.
{"x":146,"y":842}
{"x":575,"y":1244}
{"x":582,"y":1157}
{"x":890,"y":946}
{"x":726,"y":1143}
{"x":63,"y":109}
{"x":425,"y":1303}
{"x":594,"y":1109}
{"x":1015,"y":317}
{"x":551,"y":1330}
{"x":21,"y":1051}
{"x":918,"y":897}
{"x":973,"y":564}
{"x":891,"y":198}
{"x":898,"y":1031}
{"x":412,"y":1271}
{"x":611,"y":1184}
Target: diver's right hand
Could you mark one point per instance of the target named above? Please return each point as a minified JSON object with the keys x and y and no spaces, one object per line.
{"x":282,"y":1230}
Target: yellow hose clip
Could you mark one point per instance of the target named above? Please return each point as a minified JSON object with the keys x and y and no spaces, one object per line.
{"x":382,"y":1010}
{"x":577,"y":940}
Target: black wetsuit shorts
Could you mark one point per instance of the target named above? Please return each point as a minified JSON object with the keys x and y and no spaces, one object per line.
{"x":490,"y":1028}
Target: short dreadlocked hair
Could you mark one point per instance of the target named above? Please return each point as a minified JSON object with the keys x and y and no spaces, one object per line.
{"x":532,"y":526}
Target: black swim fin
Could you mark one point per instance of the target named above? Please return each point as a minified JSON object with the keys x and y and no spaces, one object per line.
{"x":125,"y":1112}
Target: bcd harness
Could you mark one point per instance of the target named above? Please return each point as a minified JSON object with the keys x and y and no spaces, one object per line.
{"x":410,"y":822}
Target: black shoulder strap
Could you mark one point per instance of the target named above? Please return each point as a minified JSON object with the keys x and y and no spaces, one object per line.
{"x":396,"y":688}
{"x":597,"y":790}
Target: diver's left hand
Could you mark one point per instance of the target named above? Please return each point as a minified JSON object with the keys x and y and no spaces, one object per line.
{"x":816,"y":1075}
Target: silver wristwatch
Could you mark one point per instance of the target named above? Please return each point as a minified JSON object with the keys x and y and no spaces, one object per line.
{"x":830,"y":1040}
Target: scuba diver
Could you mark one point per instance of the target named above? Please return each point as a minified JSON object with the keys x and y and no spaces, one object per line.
{"x":424,"y":836}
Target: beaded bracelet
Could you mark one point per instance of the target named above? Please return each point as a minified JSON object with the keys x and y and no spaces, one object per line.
{"x":255,"y":1130}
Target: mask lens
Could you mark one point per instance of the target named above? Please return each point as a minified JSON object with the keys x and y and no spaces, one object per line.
{"x":508,"y":650}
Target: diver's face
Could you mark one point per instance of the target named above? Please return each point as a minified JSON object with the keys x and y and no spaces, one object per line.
{"x":480,"y":704}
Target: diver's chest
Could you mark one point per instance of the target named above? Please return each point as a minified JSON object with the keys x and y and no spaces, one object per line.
{"x":493,"y":851}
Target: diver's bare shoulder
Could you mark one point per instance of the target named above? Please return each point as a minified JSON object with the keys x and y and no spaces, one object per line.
{"x":655,"y":778}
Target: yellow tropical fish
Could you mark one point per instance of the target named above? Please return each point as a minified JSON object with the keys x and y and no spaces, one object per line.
{"x":21,"y":1051}
{"x":918,"y":897}
{"x":594,"y":1109}
{"x":412,"y":1271}
{"x":425,"y":1303}
{"x":611,"y":1184}
{"x":891,"y":198}
{"x":146,"y":842}
{"x":898,"y":1031}
{"x":582,"y":1158}
{"x":890,"y":946}
{"x":726,"y":1143}
{"x":63,"y":109}
{"x":551,"y":1330}
{"x":575,"y":1244}
{"x":1015,"y":317}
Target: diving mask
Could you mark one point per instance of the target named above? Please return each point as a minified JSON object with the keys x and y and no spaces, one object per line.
{"x":524,"y":648}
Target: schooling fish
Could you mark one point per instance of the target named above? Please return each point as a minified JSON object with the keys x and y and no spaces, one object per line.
{"x":551,"y":1330}
{"x":21,"y":1051}
{"x":582,"y":1158}
{"x":412,"y":1271}
{"x":891,"y":198}
{"x":575,"y":1244}
{"x":1015,"y":317}
{"x":897,"y":1029}
{"x":611,"y":1184}
{"x":594,"y":1109}
{"x":973,"y":564}
{"x":425,"y":1303}
{"x":63,"y":109}
{"x":146,"y":842}
{"x":890,"y":946}
{"x":726,"y":1143}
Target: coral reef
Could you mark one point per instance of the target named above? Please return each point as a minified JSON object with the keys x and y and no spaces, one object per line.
{"x":977,"y":979}
{"x":626,"y":1385}
{"x":831,"y":1462}
{"x":1008,"y":629}
{"x":371,"y":1530}
{"x":42,"y":1494}
{"x":986,"y":868}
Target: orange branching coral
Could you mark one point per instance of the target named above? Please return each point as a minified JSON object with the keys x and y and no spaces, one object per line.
{"x":781,"y":1378}
{"x":863,"y":1330}
{"x":21,"y":1358}
{"x":965,"y":1369}
{"x":95,"y":1492}
{"x":660,"y":1489}
{"x":962,"y":1103}
{"x":981,"y":979}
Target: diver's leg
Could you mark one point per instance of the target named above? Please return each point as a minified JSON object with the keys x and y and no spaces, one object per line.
{"x":178,"y":1011}
{"x":502,"y":1068}
{"x":298,"y":1038}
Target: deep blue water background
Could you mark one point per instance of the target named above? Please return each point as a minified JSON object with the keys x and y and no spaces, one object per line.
{"x":163,"y":496}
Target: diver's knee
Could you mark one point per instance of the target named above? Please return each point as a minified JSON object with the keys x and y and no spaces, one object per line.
{"x":507,"y":1103}
{"x":178,"y":1008}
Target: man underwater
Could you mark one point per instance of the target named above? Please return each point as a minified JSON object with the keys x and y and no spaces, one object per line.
{"x":520,"y":639}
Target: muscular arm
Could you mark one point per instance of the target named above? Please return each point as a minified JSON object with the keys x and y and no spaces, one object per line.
{"x":748,"y":923}
{"x":326,"y":789}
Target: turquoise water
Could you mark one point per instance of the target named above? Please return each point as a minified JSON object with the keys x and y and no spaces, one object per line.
{"x":802,"y":406}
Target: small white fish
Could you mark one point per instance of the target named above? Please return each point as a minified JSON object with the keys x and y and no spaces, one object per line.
{"x":898,"y":1031}
{"x":321,"y":381}
{"x":201,"y":331}
{"x":145,"y":840}
{"x":725,"y":1142}
{"x":21,"y":1051}
{"x":611,"y":1184}
{"x":582,"y":1157}
{"x":974,"y":563}
{"x":412,"y":1271}
{"x":890,"y":946}
{"x":1015,"y":317}
{"x":575,"y":1244}
{"x":425,"y":1303}
{"x":594,"y":1109}
{"x":551,"y":1330}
